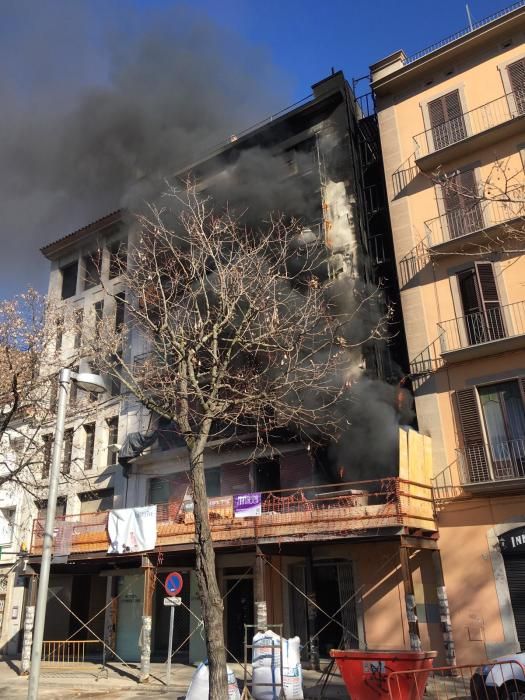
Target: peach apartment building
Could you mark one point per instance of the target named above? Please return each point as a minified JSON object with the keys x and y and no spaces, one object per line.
{"x":452,"y":126}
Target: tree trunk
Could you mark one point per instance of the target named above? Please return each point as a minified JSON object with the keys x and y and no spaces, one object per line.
{"x":211,"y":600}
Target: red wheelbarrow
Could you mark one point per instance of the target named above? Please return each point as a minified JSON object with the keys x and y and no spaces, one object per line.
{"x":365,"y":673}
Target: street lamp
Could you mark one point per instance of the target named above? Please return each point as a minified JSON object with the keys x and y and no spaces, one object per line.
{"x":88,"y":382}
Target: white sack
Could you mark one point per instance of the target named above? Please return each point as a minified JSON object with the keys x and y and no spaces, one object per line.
{"x":266,"y":665}
{"x":200,"y":684}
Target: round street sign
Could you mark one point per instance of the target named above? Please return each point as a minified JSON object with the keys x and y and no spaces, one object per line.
{"x":173,"y":583}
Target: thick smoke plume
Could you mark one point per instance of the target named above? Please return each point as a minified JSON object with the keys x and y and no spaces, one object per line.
{"x":99,"y":96}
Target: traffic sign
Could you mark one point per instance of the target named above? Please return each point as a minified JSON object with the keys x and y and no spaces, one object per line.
{"x":173,"y":583}
{"x":172,"y":601}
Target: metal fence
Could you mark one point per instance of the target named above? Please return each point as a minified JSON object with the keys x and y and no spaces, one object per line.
{"x":496,"y":461}
{"x":496,"y":680}
{"x":480,"y":327}
{"x":470,"y":123}
{"x":481,"y":215}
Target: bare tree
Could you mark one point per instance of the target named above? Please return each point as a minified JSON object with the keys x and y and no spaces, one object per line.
{"x":27,"y":336}
{"x":242,"y":333}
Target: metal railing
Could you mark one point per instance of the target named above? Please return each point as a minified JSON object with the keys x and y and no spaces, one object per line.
{"x":308,"y":511}
{"x":480,"y":215}
{"x":463,"y":32}
{"x":493,"y":461}
{"x":71,"y":651}
{"x":487,"y":680}
{"x":470,"y":123}
{"x":492,"y":324}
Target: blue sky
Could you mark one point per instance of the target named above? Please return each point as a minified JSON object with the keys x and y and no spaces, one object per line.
{"x":55,"y":54}
{"x":306,"y":38}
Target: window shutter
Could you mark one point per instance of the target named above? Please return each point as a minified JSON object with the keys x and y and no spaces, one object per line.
{"x":475,"y":461}
{"x":517,"y":82}
{"x":491,"y":304}
{"x":462,"y":207}
{"x":446,"y":120}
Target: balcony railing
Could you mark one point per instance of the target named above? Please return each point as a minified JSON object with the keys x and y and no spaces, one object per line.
{"x":481,"y":215}
{"x":492,"y":462}
{"x":306,"y":513}
{"x":476,"y":121}
{"x":494,"y":323}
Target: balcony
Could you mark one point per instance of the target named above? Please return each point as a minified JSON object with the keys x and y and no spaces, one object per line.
{"x":492,"y":463}
{"x":310,"y":513}
{"x":458,"y":227}
{"x":497,"y":329}
{"x":477,"y":128}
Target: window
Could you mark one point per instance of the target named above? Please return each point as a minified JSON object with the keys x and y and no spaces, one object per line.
{"x":170,"y":489}
{"x":516,"y":72}
{"x":53,"y":393}
{"x":68,"y":451}
{"x":213,"y":482}
{"x":89,"y":451}
{"x":118,"y":255}
{"x":7,"y":524}
{"x":73,"y":391}
{"x":96,"y":501}
{"x":92,"y":264}
{"x":47,"y":444}
{"x":462,"y":205}
{"x":60,"y":508}
{"x":98,"y":308}
{"x":492,"y":420}
{"x":69,"y":280}
{"x":17,"y":444}
{"x":79,"y":320}
{"x":446,"y":120}
{"x":112,"y":440}
{"x":59,"y":334}
{"x":120,"y":307}
{"x":483,"y":319}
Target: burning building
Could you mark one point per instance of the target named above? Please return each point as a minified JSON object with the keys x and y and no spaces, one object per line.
{"x":305,"y":542}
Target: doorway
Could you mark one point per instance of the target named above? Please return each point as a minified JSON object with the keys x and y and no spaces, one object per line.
{"x":181,"y":626}
{"x":239,"y":611}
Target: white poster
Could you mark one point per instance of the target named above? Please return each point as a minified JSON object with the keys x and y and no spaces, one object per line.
{"x":132,"y":529}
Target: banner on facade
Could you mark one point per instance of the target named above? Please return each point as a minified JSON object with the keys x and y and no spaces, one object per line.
{"x":132,"y":529}
{"x":247,"y":505}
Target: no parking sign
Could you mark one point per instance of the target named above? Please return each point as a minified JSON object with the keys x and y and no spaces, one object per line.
{"x":173,"y":583}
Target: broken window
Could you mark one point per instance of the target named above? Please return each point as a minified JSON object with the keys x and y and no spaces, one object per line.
{"x":69,"y":280}
{"x":118,"y":257}
{"x":92,"y":266}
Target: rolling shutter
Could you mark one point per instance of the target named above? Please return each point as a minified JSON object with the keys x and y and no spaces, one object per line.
{"x":446,"y":120}
{"x":462,"y":207}
{"x":475,"y":463}
{"x":515,"y":570}
{"x":517,"y":82}
{"x":489,"y":294}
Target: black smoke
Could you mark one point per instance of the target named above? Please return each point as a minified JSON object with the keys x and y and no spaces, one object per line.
{"x":98,"y":96}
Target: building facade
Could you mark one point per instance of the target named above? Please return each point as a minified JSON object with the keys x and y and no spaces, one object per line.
{"x":452,"y":125}
{"x":310,"y":545}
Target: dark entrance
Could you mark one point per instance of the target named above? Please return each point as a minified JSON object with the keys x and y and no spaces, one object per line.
{"x":333,"y":584}
{"x":239,"y":611}
{"x":161,"y":623}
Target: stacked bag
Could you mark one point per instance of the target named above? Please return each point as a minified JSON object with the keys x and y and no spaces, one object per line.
{"x":266,"y":665}
{"x":200,"y":684}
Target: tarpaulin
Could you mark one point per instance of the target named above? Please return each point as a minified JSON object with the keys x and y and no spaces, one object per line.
{"x":132,"y":529}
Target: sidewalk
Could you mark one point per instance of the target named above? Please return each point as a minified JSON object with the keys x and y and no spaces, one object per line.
{"x":117,"y":681}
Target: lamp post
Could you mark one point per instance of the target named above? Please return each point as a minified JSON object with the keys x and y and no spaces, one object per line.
{"x":87,"y":382}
